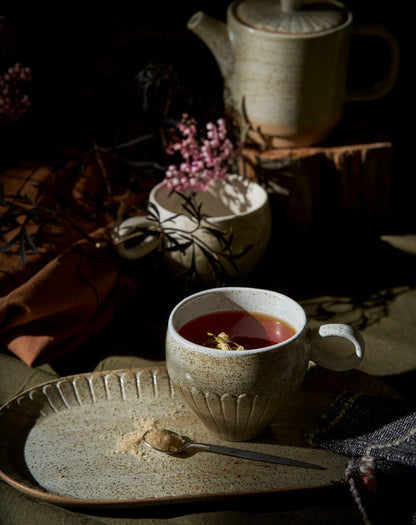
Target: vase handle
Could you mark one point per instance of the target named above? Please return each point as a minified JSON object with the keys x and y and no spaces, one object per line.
{"x":124,"y":235}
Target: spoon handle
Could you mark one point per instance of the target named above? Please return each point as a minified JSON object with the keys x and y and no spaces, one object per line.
{"x":257,"y":456}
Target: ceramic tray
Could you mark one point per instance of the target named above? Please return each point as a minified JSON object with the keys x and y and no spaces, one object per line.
{"x":75,"y":441}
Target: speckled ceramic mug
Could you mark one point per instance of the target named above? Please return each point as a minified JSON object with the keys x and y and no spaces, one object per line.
{"x":237,"y":393}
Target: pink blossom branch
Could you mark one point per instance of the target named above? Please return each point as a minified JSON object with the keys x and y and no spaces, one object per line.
{"x":202,"y":159}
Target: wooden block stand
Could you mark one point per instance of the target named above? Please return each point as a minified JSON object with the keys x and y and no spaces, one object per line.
{"x":335,"y":188}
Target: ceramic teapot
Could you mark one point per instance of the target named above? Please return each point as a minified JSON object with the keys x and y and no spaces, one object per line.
{"x":285,"y":64}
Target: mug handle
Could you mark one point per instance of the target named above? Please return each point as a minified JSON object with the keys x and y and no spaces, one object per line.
{"x":385,"y":85}
{"x":334,"y":362}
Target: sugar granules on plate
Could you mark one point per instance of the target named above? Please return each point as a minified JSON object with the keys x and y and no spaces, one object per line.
{"x":130,"y":442}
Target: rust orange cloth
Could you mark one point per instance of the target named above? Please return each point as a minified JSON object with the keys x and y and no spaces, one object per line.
{"x":70,"y":289}
{"x":63,"y":304}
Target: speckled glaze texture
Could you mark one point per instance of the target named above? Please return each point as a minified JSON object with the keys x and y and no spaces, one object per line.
{"x":237,"y":207}
{"x":237,"y":393}
{"x":291,"y":86}
{"x":58,"y":444}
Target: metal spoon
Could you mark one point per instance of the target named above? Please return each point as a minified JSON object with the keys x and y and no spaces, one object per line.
{"x":169,"y":442}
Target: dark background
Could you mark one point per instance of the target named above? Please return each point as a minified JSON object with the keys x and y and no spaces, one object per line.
{"x":85,"y":55}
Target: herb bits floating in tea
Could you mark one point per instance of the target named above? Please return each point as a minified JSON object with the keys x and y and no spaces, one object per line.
{"x":222,"y":342}
{"x":237,"y":330}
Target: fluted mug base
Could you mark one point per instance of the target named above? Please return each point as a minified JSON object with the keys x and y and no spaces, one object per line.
{"x":233,"y":418}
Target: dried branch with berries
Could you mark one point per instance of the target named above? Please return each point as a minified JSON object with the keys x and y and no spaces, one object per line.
{"x":14,"y":78}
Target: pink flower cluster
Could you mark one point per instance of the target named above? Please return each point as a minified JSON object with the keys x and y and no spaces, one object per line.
{"x":202,"y":159}
{"x":13,"y":103}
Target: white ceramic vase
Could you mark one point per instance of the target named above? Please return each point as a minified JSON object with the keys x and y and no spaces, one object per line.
{"x":235,"y":206}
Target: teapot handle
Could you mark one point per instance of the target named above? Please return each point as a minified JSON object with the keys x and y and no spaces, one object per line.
{"x":385,"y":85}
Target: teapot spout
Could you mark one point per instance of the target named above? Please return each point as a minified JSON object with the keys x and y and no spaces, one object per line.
{"x":214,"y":34}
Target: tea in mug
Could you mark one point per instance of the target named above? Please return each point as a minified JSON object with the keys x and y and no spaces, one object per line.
{"x":236,"y":330}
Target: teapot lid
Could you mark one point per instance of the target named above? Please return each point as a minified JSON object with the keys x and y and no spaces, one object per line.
{"x":291,"y":16}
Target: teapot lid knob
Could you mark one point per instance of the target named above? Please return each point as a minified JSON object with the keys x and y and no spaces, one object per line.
{"x":291,"y":16}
